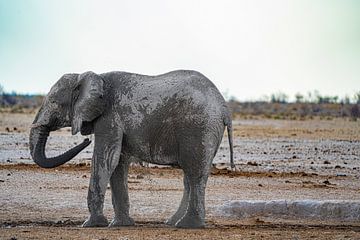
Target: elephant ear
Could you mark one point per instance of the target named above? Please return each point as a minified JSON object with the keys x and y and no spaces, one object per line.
{"x":88,"y":102}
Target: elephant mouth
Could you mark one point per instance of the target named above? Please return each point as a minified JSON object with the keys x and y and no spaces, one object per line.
{"x":38,"y":138}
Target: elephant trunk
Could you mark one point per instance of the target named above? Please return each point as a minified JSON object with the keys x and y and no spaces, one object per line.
{"x":38,"y":138}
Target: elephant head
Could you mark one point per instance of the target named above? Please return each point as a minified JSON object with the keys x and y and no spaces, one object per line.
{"x":76,"y":100}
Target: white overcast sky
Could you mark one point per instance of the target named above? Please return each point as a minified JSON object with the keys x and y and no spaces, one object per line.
{"x":248,"y":48}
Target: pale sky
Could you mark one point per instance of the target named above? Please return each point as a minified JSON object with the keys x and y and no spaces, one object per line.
{"x":248,"y":48}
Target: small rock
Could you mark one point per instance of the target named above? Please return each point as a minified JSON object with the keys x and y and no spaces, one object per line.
{"x":260,"y":185}
{"x":341,"y":175}
{"x":326,"y":162}
{"x":294,"y":157}
{"x":259,"y":221}
{"x":9,"y":174}
{"x":327,"y":182}
{"x":84,"y":176}
{"x":252,"y":163}
{"x":139,"y":176}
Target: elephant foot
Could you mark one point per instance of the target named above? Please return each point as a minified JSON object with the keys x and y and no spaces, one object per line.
{"x":122,"y":221}
{"x":96,"y":221}
{"x":190,"y":222}
{"x":172,"y":221}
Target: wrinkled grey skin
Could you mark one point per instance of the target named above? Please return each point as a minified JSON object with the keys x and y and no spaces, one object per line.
{"x":177,"y":118}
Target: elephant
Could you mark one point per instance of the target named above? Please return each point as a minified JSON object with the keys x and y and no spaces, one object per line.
{"x":177,"y":119}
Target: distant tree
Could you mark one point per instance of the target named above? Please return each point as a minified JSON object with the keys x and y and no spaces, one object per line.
{"x":324,"y":99}
{"x":264,"y":98}
{"x":335,"y":99}
{"x":329,"y":99}
{"x":313,"y":97}
{"x":317,"y":97}
{"x":309,"y":97}
{"x":357,"y":97}
{"x":232,"y":98}
{"x":345,"y":100}
{"x":299,"y":97}
{"x":279,"y":97}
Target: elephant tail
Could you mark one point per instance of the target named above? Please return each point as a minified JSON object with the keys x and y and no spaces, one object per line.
{"x":228,"y":124}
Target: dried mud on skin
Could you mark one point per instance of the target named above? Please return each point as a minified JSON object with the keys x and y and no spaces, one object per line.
{"x":51,"y":203}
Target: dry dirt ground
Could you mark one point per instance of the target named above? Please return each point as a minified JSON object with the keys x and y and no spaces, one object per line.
{"x":276,"y":159}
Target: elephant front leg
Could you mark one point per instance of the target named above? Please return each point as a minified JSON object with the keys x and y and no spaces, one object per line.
{"x":120,"y":197}
{"x":96,"y":194}
{"x":106,"y":158}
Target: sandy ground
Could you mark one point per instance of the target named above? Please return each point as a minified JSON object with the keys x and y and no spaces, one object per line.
{"x":276,"y":159}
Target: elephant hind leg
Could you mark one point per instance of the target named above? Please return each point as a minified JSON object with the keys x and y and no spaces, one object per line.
{"x":195,"y":158}
{"x":194,"y":214}
{"x":196,"y":171}
{"x":183,"y":205}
